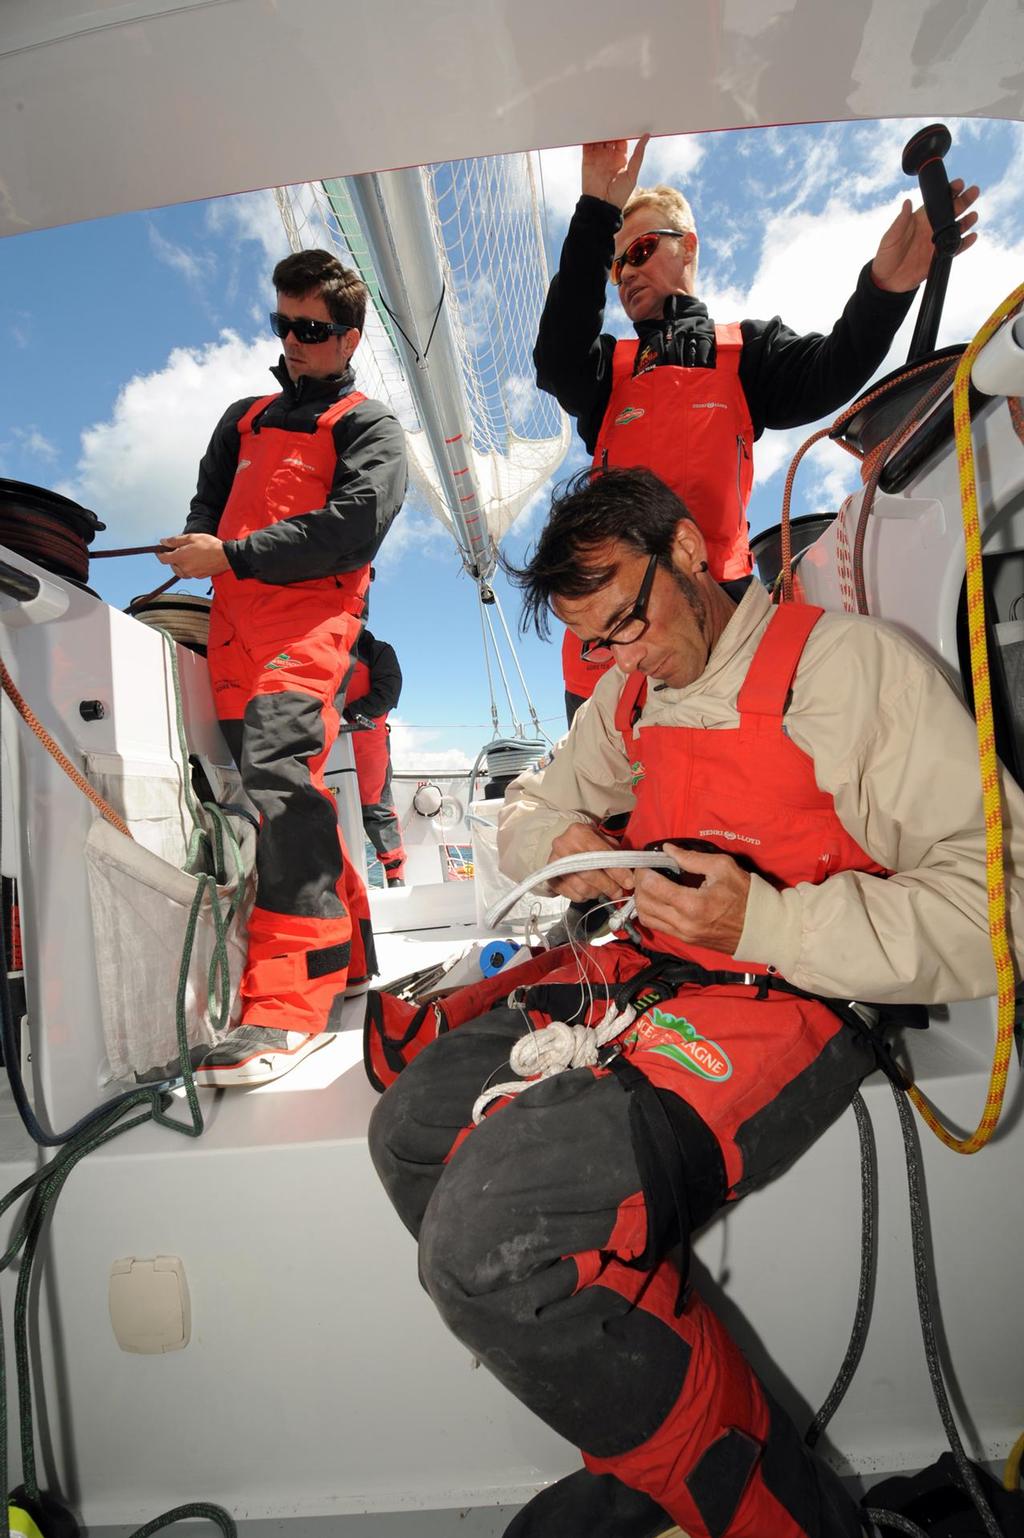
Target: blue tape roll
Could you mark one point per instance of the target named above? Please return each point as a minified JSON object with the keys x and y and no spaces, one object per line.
{"x":496,"y":955}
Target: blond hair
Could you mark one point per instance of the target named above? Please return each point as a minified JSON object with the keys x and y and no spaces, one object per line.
{"x":667,"y":203}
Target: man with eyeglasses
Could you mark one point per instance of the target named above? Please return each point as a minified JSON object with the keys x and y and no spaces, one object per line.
{"x":816,"y":780}
{"x":296,"y":492}
{"x":686,"y":397}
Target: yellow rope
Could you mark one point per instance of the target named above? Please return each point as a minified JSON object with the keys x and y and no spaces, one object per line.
{"x":990,"y":793}
{"x":1011,"y":1473}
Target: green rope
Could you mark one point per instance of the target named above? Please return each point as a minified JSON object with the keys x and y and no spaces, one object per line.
{"x":206,"y":861}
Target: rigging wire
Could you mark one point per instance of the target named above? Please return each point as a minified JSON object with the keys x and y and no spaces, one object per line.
{"x":487,"y":631}
{"x":522,"y":680}
{"x":495,"y":722}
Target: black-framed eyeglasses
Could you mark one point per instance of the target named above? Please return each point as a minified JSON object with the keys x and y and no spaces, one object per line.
{"x":305,"y":330}
{"x":640,"y":251}
{"x":629,"y":629}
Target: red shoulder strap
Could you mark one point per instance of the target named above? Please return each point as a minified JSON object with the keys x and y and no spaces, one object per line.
{"x":337,"y":409}
{"x":623,"y":358}
{"x":245,"y":422}
{"x":728,"y":347}
{"x":631,"y":702}
{"x":773,"y":668}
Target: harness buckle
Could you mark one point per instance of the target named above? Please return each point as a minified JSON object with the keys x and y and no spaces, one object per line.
{"x":608,"y":1053}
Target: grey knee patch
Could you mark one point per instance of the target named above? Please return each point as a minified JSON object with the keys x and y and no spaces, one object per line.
{"x":718,"y":1481}
{"x":298,"y":856}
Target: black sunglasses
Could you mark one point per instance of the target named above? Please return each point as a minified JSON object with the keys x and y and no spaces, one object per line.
{"x":640,"y":251}
{"x":305,"y":330}
{"x":630,"y":628}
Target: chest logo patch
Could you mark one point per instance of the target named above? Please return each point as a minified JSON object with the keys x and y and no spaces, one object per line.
{"x":636,"y":773}
{"x":628,"y":414}
{"x":674,"y":1037}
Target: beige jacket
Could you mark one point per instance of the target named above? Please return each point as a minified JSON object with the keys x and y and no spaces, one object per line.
{"x":895,"y":748}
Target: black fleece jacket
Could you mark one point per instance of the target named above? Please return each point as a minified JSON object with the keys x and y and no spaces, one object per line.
{"x":385,"y":678}
{"x":366,"y":493}
{"x":787,"y":379}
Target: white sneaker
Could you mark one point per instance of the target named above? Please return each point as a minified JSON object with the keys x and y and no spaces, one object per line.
{"x":256,"y":1054}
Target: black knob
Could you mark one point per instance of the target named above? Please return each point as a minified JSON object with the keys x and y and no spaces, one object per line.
{"x":92,"y":710}
{"x":931,"y":143}
{"x":922,"y":157}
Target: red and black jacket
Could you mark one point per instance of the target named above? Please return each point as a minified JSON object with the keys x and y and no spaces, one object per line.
{"x":367,"y":491}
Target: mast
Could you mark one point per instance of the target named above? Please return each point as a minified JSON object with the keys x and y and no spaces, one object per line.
{"x":394,"y":217}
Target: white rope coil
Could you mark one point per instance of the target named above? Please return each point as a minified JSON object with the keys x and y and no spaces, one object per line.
{"x":553,"y":1049}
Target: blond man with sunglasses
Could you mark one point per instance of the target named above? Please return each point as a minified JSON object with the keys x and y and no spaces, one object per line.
{"x":685,"y":397}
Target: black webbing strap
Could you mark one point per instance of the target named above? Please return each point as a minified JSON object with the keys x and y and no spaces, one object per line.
{"x":671,"y":973}
{"x":662,"y":1174}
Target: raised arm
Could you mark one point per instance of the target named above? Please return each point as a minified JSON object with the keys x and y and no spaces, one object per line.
{"x":790,"y":379}
{"x":571,"y":354}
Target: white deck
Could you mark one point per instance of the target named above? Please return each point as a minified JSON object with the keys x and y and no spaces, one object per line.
{"x":319,"y":1383}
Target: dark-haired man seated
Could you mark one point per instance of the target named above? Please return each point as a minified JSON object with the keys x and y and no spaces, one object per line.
{"x":816,"y":778}
{"x":296,"y":492}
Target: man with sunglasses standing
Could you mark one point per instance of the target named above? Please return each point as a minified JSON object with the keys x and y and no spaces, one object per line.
{"x":296,"y":492}
{"x":687,"y":398}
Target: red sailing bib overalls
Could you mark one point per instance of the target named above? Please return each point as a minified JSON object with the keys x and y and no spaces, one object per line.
{"x":692,"y":427}
{"x":369,"y":748}
{"x":277,"y":656}
{"x":734,"y":1057}
{"x":542,"y":1235}
{"x":372,"y":754}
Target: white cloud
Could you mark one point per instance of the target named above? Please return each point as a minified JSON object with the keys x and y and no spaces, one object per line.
{"x":251,"y":216}
{"x":673,"y":160}
{"x":138,"y":469}
{"x":560,"y":173}
{"x":34,"y":444}
{"x":999,"y":206}
{"x":195,"y":267}
{"x":414,"y":531}
{"x":411,"y":752}
{"x":520,"y":396}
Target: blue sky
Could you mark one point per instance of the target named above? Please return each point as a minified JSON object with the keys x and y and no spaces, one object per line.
{"x":125,"y":339}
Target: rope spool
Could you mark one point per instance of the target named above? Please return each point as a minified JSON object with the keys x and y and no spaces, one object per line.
{"x":47,"y":528}
{"x":185,"y":617}
{"x":505,"y":759}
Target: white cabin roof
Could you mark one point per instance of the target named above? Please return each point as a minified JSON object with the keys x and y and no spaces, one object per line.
{"x":112,"y":105}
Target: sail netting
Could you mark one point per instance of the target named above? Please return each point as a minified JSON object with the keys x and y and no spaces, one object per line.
{"x":461,"y":370}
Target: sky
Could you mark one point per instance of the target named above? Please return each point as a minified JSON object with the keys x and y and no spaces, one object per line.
{"x":125,"y":339}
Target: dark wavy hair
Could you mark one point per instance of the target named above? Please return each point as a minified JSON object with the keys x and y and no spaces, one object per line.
{"x":631,"y":506}
{"x":343,"y":291}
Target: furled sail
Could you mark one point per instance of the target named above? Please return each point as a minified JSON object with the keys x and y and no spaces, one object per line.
{"x":454,"y":258}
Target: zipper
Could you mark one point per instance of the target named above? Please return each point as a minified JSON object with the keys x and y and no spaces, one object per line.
{"x":742,"y":453}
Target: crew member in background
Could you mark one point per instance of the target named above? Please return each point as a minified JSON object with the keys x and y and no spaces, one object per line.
{"x":816,"y":778}
{"x":374,"y":690}
{"x":686,"y":397}
{"x":295,"y":493}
